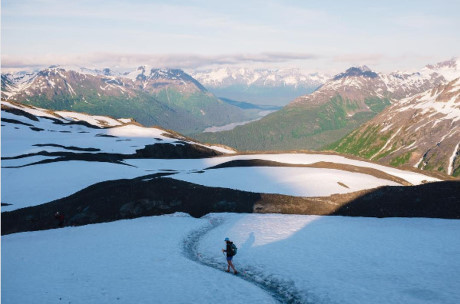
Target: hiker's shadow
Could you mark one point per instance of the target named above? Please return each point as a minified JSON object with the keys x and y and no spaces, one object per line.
{"x":249,"y":242}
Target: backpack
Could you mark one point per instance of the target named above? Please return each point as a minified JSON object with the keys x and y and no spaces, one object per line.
{"x":234,"y":249}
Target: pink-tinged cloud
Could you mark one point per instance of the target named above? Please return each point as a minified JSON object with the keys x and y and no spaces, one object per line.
{"x":157,"y":60}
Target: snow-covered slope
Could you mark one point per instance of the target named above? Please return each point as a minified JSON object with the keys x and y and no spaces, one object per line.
{"x":297,"y":181}
{"x":28,"y":131}
{"x":137,"y":261}
{"x":13,"y":83}
{"x":347,"y":260}
{"x":308,"y":259}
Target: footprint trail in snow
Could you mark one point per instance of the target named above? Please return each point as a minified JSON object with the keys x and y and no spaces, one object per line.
{"x":282,"y":291}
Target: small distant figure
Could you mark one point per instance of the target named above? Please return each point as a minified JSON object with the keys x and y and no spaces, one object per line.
{"x":60,"y":218}
{"x":231,"y":252}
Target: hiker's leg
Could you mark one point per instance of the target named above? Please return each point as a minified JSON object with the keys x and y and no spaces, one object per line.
{"x":230,"y":263}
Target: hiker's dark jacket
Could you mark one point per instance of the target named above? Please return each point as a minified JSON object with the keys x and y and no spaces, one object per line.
{"x":229,"y":249}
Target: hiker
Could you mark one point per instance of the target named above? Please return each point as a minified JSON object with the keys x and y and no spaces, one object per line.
{"x":231,"y":251}
{"x":60,"y":218}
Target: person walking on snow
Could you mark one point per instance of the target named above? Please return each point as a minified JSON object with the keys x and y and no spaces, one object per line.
{"x":231,"y":251}
{"x":60,"y":218}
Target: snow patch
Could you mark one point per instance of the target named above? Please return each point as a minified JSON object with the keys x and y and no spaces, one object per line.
{"x":307,"y":182}
{"x":452,"y":158}
{"x":389,"y":141}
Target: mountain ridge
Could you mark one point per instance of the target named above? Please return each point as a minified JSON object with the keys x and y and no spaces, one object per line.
{"x":261,"y":86}
{"x":421,"y":131}
{"x":170,"y":98}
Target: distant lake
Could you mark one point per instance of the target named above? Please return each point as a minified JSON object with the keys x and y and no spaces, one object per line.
{"x":233,"y":125}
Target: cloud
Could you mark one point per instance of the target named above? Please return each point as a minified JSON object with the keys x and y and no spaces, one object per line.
{"x":360,"y":59}
{"x":419,"y":21}
{"x":158,"y":60}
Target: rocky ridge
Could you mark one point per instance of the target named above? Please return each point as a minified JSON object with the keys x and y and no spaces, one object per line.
{"x":421,"y":131}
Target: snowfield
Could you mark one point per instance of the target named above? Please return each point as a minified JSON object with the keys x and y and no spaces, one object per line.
{"x":28,"y":186}
{"x":347,"y":259}
{"x":321,"y":259}
{"x":307,"y":182}
{"x":119,"y":138}
{"x":311,"y":158}
{"x":138,"y":261}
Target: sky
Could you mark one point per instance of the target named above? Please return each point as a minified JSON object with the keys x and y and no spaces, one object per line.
{"x":315,"y":36}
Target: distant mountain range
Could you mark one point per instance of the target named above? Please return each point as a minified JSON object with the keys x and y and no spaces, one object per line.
{"x":260,"y":86}
{"x":169,"y":98}
{"x":338,"y":107}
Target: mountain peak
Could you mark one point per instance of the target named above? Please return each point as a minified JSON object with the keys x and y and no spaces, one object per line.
{"x":166,"y":73}
{"x":363,"y":71}
{"x":452,"y":64}
{"x":364,"y":68}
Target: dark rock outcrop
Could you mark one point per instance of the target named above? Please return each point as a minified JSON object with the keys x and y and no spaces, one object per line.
{"x":157,"y":195}
{"x":125,"y":199}
{"x":441,"y":200}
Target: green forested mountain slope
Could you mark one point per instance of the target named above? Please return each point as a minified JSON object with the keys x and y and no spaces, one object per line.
{"x":315,"y":120}
{"x":168,"y":98}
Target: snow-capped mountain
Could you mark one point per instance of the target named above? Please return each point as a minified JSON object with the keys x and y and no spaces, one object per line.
{"x":169,"y":98}
{"x":341,"y":105}
{"x":57,"y":80}
{"x":405,"y":84}
{"x":357,"y":83}
{"x":262,"y":86}
{"x":421,"y":131}
{"x":244,"y":76}
{"x":153,"y":80}
{"x":281,"y":86}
